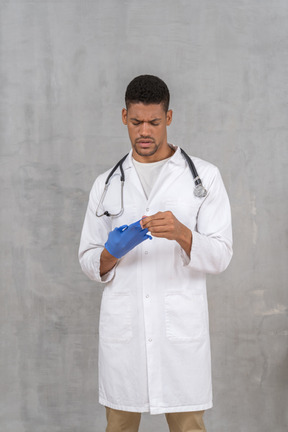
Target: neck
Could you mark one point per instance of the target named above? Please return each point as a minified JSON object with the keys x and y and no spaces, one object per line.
{"x":156,"y":157}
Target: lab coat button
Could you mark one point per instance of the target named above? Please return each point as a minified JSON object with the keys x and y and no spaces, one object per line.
{"x":147,"y":209}
{"x":150,"y":340}
{"x":147,"y":296}
{"x":146,"y":252}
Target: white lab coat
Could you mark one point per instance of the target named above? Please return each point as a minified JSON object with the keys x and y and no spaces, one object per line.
{"x":154,"y":346}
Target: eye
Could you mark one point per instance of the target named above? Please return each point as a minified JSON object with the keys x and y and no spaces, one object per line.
{"x":136,"y":123}
{"x":155,"y":123}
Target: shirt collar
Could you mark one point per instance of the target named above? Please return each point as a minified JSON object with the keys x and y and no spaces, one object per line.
{"x":176,"y":158}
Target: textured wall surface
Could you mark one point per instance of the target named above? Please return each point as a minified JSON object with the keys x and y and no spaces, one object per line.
{"x":64,"y":67}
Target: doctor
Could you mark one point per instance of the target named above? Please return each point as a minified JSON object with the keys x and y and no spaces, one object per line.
{"x":154,"y":347}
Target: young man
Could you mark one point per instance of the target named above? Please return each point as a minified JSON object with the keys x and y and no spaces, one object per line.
{"x":152,"y":247}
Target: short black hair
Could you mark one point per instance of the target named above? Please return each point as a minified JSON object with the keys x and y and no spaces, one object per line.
{"x":147,"y":89}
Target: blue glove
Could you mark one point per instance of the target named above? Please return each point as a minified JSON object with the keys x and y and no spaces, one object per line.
{"x":121,"y":240}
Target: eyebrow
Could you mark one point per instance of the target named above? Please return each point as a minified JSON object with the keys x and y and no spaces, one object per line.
{"x":149,"y":121}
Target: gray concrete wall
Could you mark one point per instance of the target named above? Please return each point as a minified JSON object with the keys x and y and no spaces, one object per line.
{"x":64,"y":67}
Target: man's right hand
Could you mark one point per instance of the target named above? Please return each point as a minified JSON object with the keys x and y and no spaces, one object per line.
{"x":123,"y":239}
{"x":120,"y":241}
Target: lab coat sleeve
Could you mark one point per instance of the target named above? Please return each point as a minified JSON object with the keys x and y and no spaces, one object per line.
{"x":94,"y":235}
{"x":211,"y":249}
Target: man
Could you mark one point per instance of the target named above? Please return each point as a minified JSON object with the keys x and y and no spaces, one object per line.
{"x":154,"y":347}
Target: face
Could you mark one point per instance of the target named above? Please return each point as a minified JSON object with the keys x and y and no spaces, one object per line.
{"x":147,"y":128}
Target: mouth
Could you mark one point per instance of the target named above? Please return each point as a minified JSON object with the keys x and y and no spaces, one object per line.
{"x":144,"y":143}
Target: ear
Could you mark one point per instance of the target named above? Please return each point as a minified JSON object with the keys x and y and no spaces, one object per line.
{"x":124,"y":116}
{"x":169,"y":117}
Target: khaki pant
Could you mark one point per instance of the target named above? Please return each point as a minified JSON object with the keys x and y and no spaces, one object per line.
{"x":124,"y":421}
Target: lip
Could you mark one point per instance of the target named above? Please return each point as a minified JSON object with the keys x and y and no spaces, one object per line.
{"x":144,"y":143}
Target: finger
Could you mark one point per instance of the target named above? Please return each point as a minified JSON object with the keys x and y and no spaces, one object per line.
{"x":161,"y":229}
{"x":147,"y":220}
{"x":159,"y":215}
{"x":155,"y":215}
{"x":156,"y":227}
{"x":141,"y":220}
{"x":147,"y":236}
{"x":136,"y":224}
{"x":122,"y":228}
{"x":165,"y":221}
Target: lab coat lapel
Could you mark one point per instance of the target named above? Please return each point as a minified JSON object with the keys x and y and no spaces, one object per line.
{"x":167,"y":176}
{"x":133,"y":183}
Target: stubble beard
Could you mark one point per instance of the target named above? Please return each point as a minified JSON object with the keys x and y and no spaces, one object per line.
{"x":142,"y":152}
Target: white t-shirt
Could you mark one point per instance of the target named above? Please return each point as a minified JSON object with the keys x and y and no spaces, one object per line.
{"x":148,"y":173}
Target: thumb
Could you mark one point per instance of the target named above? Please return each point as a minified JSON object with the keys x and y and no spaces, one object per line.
{"x":122,"y":228}
{"x":143,"y":217}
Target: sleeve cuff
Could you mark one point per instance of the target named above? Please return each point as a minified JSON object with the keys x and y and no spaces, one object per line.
{"x":107,"y":277}
{"x":90,"y":263}
{"x":185,"y":258}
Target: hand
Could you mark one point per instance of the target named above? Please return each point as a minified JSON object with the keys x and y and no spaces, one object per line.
{"x":123,"y":239}
{"x":166,"y":225}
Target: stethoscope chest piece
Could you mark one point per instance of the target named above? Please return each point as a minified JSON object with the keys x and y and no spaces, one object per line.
{"x":200,"y":191}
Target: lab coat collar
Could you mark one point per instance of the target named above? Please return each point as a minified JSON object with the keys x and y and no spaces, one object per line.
{"x":176,"y":158}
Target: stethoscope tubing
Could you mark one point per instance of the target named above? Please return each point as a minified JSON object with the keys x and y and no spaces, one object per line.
{"x":191,"y":165}
{"x":120,"y":165}
{"x":199,"y":190}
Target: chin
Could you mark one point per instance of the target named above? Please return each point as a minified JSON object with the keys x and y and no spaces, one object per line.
{"x":145,"y":152}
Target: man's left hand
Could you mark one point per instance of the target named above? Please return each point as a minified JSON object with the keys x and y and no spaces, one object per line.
{"x":166,"y":225}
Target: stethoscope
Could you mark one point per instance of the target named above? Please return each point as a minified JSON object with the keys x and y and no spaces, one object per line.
{"x":199,"y":190}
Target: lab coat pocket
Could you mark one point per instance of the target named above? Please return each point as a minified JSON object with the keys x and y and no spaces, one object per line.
{"x":115,"y":318}
{"x":185,"y":316}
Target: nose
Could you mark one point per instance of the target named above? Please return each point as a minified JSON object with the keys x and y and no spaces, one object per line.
{"x":144,"y":129}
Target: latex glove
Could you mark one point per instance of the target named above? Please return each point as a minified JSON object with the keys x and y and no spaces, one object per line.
{"x":123,"y":239}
